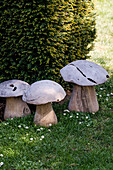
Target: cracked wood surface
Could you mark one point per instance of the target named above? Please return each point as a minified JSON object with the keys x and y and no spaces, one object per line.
{"x":13,"y":88}
{"x":84,"y":73}
{"x":83,"y":99}
{"x":15,"y":107}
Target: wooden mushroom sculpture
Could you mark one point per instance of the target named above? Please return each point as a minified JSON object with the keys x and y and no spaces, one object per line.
{"x":84,"y":75}
{"x":42,"y":94}
{"x":13,"y":90}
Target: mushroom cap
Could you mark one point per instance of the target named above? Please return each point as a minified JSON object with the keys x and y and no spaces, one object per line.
{"x":84,"y":73}
{"x":44,"y":91}
{"x":13,"y":88}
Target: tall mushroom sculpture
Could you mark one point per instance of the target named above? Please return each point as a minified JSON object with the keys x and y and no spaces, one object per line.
{"x":84,"y":75}
{"x":13,"y":90}
{"x":42,"y":94}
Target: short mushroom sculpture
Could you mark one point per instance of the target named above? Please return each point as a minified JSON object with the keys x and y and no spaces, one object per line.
{"x":42,"y":94}
{"x":13,"y":90}
{"x":84,"y":75}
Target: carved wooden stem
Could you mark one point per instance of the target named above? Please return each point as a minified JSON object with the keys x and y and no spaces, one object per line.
{"x":15,"y":107}
{"x":83,"y":99}
{"x":45,"y":115}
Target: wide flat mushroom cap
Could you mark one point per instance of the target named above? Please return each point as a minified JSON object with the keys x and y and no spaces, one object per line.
{"x":44,"y":91}
{"x":13,"y":88}
{"x":84,"y":73}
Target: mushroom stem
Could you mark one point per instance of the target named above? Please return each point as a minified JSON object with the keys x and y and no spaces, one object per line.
{"x":83,"y":99}
{"x":45,"y":115}
{"x":15,"y":107}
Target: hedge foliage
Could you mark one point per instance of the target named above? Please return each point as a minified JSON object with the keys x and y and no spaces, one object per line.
{"x":39,"y":37}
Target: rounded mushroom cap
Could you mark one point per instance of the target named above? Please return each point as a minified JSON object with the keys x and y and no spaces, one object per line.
{"x":44,"y":91}
{"x":13,"y":88}
{"x":84,"y":73}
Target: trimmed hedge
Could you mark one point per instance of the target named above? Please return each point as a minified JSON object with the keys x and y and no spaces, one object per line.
{"x":39,"y":37}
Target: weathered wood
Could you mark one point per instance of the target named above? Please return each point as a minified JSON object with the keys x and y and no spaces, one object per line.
{"x":13,"y":88}
{"x":84,"y":73}
{"x":45,"y":115}
{"x":15,"y":107}
{"x":44,"y":91}
{"x":83,"y":99}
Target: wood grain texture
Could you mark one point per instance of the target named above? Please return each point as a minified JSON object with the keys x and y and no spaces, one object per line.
{"x":45,"y":115}
{"x":84,"y":73}
{"x":15,"y":107}
{"x":83,"y":99}
{"x":13,"y":88}
{"x":44,"y":91}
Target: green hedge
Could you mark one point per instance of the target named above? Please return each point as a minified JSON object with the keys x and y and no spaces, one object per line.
{"x":39,"y":37}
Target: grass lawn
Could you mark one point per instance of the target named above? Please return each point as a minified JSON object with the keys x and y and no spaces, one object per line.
{"x":80,"y":141}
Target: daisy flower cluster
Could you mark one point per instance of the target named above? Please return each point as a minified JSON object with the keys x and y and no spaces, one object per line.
{"x":82,"y":118}
{"x":1,"y":163}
